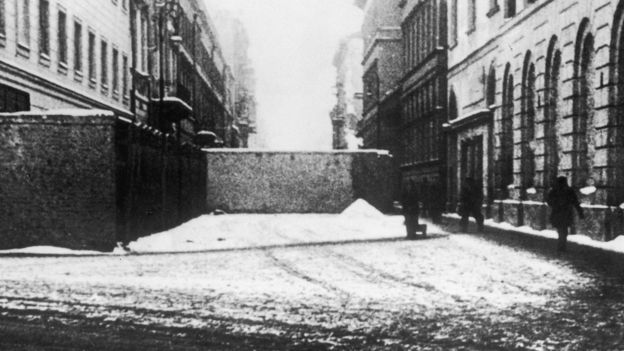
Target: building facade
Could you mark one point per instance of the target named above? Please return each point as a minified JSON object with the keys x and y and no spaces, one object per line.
{"x":535,"y":93}
{"x":235,"y":43}
{"x":59,"y":54}
{"x":423,"y":95}
{"x":179,"y":72}
{"x":382,"y":67}
{"x":348,"y":109}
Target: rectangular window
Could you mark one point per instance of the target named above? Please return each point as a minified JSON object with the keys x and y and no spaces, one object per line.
{"x":510,"y":8}
{"x":92,"y":60}
{"x":23,"y":18}
{"x":115,"y":71}
{"x":472,"y":16}
{"x":44,"y":28}
{"x":62,"y":37}
{"x":2,"y":19}
{"x":77,"y":47}
{"x":104,"y":65}
{"x":453,"y":24}
{"x":143,"y":41}
{"x":124,"y":77}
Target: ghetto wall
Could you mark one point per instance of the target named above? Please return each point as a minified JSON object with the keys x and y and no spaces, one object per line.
{"x":58,"y":180}
{"x":296,"y":182}
{"x":86,"y":179}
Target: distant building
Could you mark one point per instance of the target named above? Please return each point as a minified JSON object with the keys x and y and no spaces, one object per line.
{"x":57,"y":54}
{"x":348,"y":109}
{"x":535,"y":93}
{"x":424,"y":89}
{"x":234,"y":41}
{"x":382,"y":66}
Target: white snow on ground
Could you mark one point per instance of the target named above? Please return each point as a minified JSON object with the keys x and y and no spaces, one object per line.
{"x":361,"y":208}
{"x":358,"y":222}
{"x":616,"y":245}
{"x":49,"y":250}
{"x":249,"y":231}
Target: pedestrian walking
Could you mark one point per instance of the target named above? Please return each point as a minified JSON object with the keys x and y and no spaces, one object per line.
{"x":438,"y":202}
{"x":470,"y":201}
{"x":410,"y":203}
{"x":562,"y":199}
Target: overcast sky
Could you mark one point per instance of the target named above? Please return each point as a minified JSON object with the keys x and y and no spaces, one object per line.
{"x":292,"y":47}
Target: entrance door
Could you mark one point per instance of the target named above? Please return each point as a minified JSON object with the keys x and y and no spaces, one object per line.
{"x":472,"y":159}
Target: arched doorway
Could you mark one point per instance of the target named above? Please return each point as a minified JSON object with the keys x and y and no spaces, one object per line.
{"x":505,"y":161}
{"x":527,"y":161}
{"x":583,"y":104}
{"x":551,"y":113}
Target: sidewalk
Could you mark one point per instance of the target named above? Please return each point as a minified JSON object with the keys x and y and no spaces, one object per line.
{"x":606,"y":255}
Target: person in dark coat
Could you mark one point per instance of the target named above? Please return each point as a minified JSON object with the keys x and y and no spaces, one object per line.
{"x":409,"y":201}
{"x":437,"y":202}
{"x":562,"y":200}
{"x":470,"y":201}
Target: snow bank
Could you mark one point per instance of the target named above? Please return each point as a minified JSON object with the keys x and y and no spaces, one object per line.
{"x":50,"y":250}
{"x":360,"y":208}
{"x":615,"y":245}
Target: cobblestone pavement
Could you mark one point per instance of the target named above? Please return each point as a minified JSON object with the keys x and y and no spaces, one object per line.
{"x":445,"y":292}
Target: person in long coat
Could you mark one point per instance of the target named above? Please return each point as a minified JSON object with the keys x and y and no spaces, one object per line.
{"x":470,"y":201}
{"x":562,"y":201}
{"x":409,"y":201}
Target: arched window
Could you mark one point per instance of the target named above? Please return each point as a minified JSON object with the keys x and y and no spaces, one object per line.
{"x":616,"y":152}
{"x":505,"y":161}
{"x":527,"y":160}
{"x":490,"y":89}
{"x":583,"y":104}
{"x":551,"y":113}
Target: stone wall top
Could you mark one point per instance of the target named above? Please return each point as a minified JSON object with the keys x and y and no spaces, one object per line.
{"x":302,"y":152}
{"x":65,"y":116}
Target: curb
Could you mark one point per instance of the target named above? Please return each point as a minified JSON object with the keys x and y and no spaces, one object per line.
{"x":581,"y":255}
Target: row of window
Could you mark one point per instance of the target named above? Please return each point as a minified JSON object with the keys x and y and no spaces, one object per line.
{"x":420,"y":31}
{"x":421,"y":126}
{"x":510,"y":9}
{"x":118,"y":61}
{"x":422,"y":102}
{"x":421,"y":142}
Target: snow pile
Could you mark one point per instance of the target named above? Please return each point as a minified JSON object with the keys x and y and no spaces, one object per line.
{"x":362,"y":209}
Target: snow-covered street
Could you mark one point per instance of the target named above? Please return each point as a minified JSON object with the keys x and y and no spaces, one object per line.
{"x":316,"y":282}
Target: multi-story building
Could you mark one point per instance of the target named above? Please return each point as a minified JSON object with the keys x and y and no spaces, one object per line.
{"x":535,"y":93}
{"x":179,"y":69}
{"x":235,"y":43}
{"x":57,"y":54}
{"x":382,"y":67}
{"x":424,"y":91}
{"x":348,"y":109}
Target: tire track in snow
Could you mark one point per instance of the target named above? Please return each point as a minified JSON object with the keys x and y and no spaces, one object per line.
{"x":289,"y":268}
{"x":375,"y":275}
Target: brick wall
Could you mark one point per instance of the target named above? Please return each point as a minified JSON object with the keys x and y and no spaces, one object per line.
{"x":57,"y":185}
{"x":87,"y":179}
{"x":296,"y":182}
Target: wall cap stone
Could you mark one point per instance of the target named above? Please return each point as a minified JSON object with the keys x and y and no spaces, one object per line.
{"x":301,"y":152}
{"x":62,"y":116}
